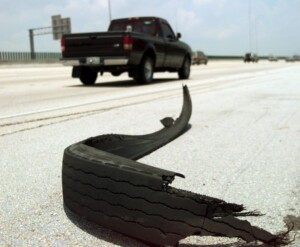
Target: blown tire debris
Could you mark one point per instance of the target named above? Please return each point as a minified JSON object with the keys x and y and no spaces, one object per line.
{"x":103,"y":182}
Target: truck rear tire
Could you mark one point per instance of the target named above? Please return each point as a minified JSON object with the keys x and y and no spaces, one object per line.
{"x":88,"y":76}
{"x":145,"y":71}
{"x":184,"y":71}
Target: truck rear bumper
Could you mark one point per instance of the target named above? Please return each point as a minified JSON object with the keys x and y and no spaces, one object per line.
{"x":95,"y":61}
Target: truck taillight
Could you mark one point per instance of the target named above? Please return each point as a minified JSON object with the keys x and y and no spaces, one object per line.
{"x":62,"y":44}
{"x":127,"y":42}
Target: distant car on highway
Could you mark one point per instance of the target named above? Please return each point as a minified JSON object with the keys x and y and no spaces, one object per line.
{"x":296,"y":58}
{"x":250,"y":57}
{"x":272,"y":58}
{"x":289,"y":59}
{"x":199,"y":58}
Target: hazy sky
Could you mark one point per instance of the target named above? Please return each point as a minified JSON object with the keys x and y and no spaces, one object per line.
{"x":218,"y":27}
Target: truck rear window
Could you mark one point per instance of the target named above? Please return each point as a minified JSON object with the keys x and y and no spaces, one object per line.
{"x":141,"y":26}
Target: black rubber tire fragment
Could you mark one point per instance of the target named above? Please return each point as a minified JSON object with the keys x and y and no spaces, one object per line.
{"x":103,"y":183}
{"x":108,"y":161}
{"x":160,"y":217}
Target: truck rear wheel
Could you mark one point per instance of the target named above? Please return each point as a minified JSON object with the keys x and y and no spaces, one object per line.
{"x":88,"y":76}
{"x":184,"y":71}
{"x":145,"y":71}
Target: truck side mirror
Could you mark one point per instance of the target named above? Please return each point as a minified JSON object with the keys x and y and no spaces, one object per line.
{"x":178,"y":35}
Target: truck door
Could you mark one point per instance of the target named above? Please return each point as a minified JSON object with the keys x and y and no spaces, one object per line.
{"x":174,"y":51}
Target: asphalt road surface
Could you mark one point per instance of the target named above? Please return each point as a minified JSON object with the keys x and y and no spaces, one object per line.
{"x":243,"y":147}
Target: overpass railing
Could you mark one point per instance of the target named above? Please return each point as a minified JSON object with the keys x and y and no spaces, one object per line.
{"x":27,"y":57}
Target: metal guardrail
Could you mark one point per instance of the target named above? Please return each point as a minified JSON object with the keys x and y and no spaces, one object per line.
{"x":26,"y":57}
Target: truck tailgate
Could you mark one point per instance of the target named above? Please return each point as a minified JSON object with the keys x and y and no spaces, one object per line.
{"x":93,"y":44}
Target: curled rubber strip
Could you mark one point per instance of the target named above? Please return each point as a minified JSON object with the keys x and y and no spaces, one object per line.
{"x":103,"y":182}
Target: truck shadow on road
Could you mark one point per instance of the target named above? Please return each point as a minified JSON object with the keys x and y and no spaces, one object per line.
{"x":119,"y":239}
{"x":125,"y":83}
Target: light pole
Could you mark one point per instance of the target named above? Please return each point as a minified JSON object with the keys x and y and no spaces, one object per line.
{"x":109,"y":10}
{"x":250,"y":43}
{"x":256,"y":32}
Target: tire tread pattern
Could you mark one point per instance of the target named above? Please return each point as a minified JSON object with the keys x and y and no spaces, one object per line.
{"x":103,"y":182}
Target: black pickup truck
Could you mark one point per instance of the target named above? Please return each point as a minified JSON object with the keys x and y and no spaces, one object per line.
{"x":139,"y":46}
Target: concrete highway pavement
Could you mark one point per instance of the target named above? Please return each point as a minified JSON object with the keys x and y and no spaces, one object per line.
{"x":243,"y":147}
{"x":33,"y":89}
